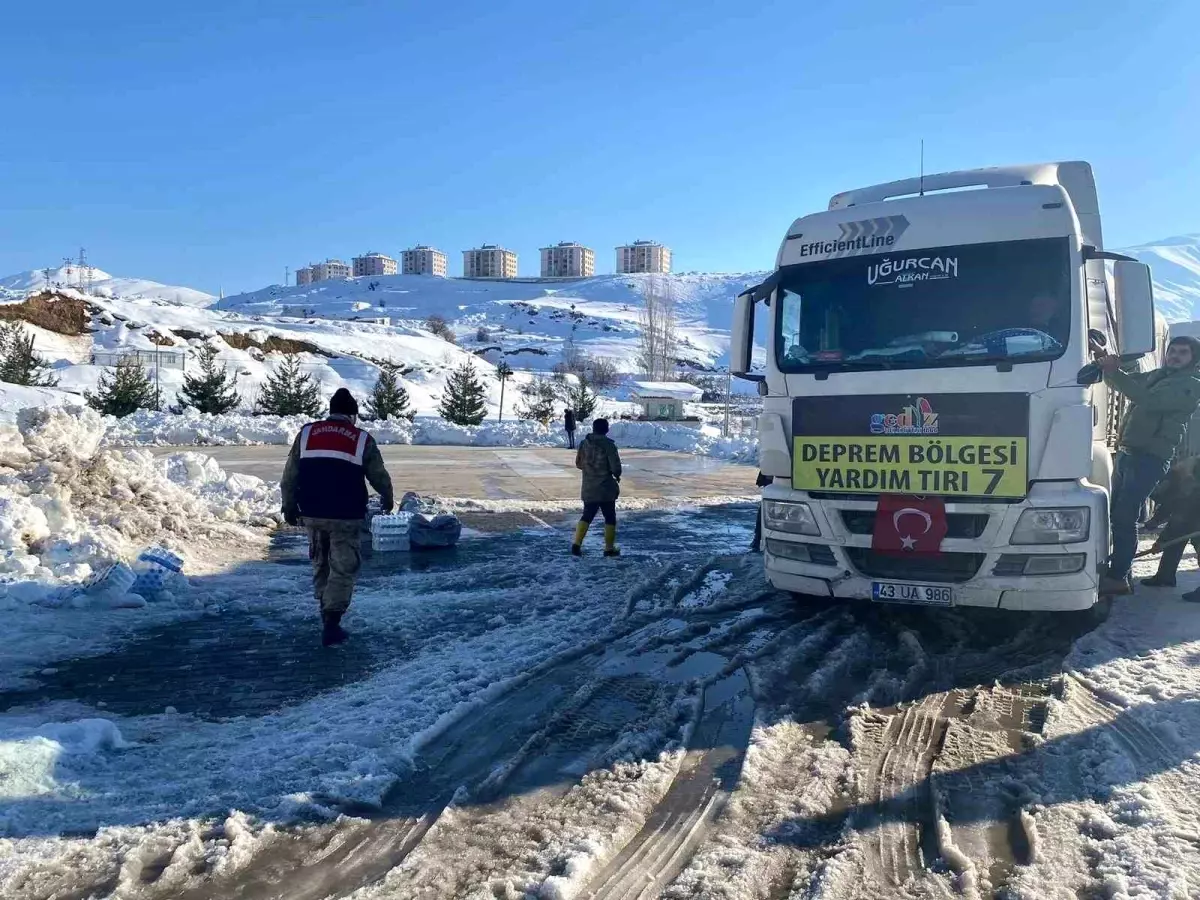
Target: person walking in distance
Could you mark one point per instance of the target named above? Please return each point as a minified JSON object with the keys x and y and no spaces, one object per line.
{"x":569,"y":425}
{"x":600,"y":462}
{"x":1161,"y":405}
{"x":324,"y":487}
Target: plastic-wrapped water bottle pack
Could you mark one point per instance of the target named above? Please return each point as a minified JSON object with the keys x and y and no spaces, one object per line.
{"x":159,"y":573}
{"x":389,"y":533}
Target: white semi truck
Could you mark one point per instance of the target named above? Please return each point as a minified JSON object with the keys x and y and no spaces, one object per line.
{"x":929,"y":339}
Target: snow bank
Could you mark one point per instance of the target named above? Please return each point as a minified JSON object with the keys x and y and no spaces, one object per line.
{"x":34,"y":761}
{"x":14,"y":398}
{"x":193,"y":428}
{"x":70,"y":507}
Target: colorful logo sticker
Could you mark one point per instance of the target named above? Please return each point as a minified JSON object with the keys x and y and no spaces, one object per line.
{"x":919,"y":418}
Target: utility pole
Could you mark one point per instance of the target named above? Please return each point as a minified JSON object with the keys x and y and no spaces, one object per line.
{"x":728,"y":391}
{"x":85,"y":278}
{"x":287,"y":275}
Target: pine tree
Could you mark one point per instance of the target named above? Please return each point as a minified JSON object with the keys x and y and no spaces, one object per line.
{"x":122,"y":390}
{"x":463,"y":400}
{"x":538,"y":400}
{"x":288,"y":392}
{"x":212,"y":390}
{"x":582,"y":400}
{"x":19,"y":364}
{"x":388,"y":399}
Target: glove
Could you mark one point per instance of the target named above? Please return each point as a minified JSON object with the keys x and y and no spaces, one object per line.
{"x":291,"y":515}
{"x":386,"y":506}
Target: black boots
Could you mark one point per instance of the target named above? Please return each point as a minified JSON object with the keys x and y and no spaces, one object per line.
{"x":1159,"y":580}
{"x":332,"y":633}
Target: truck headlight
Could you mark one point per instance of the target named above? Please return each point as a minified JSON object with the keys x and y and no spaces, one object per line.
{"x":1052,"y":526}
{"x":795,"y":518}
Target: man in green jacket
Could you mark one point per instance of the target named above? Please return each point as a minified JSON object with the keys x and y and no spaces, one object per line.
{"x":601,"y":464}
{"x":1161,"y":405}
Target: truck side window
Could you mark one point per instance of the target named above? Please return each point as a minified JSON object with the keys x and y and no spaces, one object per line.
{"x":789,"y":326}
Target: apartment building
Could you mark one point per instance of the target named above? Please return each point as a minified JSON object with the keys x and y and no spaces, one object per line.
{"x":643,"y":256}
{"x":489,"y":261}
{"x":568,"y":260}
{"x":423,"y":260}
{"x":373,"y":263}
{"x":323,"y":271}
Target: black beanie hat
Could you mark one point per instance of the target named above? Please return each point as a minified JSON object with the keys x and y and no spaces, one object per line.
{"x":600,"y":426}
{"x":342,"y":403}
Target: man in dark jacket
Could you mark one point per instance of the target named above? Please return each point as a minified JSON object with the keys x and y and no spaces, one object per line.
{"x":323,"y":486}
{"x":1177,"y":503}
{"x":1161,"y":405}
{"x":601,"y":464}
{"x":569,"y":425}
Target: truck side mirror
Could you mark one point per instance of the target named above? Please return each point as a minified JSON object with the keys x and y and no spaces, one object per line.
{"x":1090,"y":374}
{"x":1135,"y":307}
{"x":741,"y":338}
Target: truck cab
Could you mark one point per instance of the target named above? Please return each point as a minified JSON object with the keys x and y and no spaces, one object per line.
{"x":931,"y":339}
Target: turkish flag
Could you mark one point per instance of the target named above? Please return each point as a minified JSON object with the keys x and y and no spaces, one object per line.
{"x":905,"y":524}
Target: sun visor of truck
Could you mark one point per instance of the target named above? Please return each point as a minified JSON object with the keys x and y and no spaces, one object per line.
{"x":762,"y":291}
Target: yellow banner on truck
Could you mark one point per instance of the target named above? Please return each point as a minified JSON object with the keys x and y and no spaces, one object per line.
{"x":964,"y":445}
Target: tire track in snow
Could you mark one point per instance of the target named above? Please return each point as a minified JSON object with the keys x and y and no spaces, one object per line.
{"x":700,"y":790}
{"x":475,"y":755}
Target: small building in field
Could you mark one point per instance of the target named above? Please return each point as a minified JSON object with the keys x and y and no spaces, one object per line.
{"x":662,"y":401}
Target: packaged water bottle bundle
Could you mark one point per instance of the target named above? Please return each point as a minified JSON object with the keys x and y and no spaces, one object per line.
{"x":389,"y":532}
{"x":159,"y":572}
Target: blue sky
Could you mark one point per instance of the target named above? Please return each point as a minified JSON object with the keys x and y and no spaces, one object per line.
{"x":210,"y":145}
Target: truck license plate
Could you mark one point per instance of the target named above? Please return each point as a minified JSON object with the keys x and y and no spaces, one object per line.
{"x":901,"y":592}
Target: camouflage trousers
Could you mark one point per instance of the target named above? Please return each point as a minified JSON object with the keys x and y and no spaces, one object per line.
{"x":335,"y":551}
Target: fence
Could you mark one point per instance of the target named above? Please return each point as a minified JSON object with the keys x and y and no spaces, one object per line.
{"x":163,"y":359}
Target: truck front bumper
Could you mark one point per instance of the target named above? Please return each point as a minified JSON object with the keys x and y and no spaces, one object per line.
{"x":1046,"y":593}
{"x":836,"y":567}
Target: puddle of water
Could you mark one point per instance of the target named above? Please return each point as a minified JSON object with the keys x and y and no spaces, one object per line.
{"x":659,"y":664}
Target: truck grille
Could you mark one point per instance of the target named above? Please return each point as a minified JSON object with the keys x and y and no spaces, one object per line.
{"x":843,"y":495}
{"x":946,"y":568}
{"x":958,"y":525}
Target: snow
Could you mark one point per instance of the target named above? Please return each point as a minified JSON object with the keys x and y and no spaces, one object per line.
{"x":191,"y":427}
{"x":105,"y":285}
{"x":14,"y":398}
{"x":672,"y":390}
{"x":35,"y":761}
{"x":70,"y":508}
{"x":1175,"y":266}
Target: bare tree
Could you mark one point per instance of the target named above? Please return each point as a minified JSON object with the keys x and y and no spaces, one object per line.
{"x":572,"y":356}
{"x":658,"y":341}
{"x":602,"y":372}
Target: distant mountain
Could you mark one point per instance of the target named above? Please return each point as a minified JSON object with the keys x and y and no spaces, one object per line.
{"x":1175,"y":263}
{"x":105,"y":285}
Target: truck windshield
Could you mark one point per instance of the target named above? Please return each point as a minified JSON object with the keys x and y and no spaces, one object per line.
{"x":973,"y":304}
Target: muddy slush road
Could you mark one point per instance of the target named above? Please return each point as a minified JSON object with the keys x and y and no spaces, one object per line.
{"x":717,"y":739}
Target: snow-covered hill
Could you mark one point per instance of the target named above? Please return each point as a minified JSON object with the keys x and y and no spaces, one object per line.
{"x":1175,"y":263}
{"x":104,"y":285}
{"x":527,"y":322}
